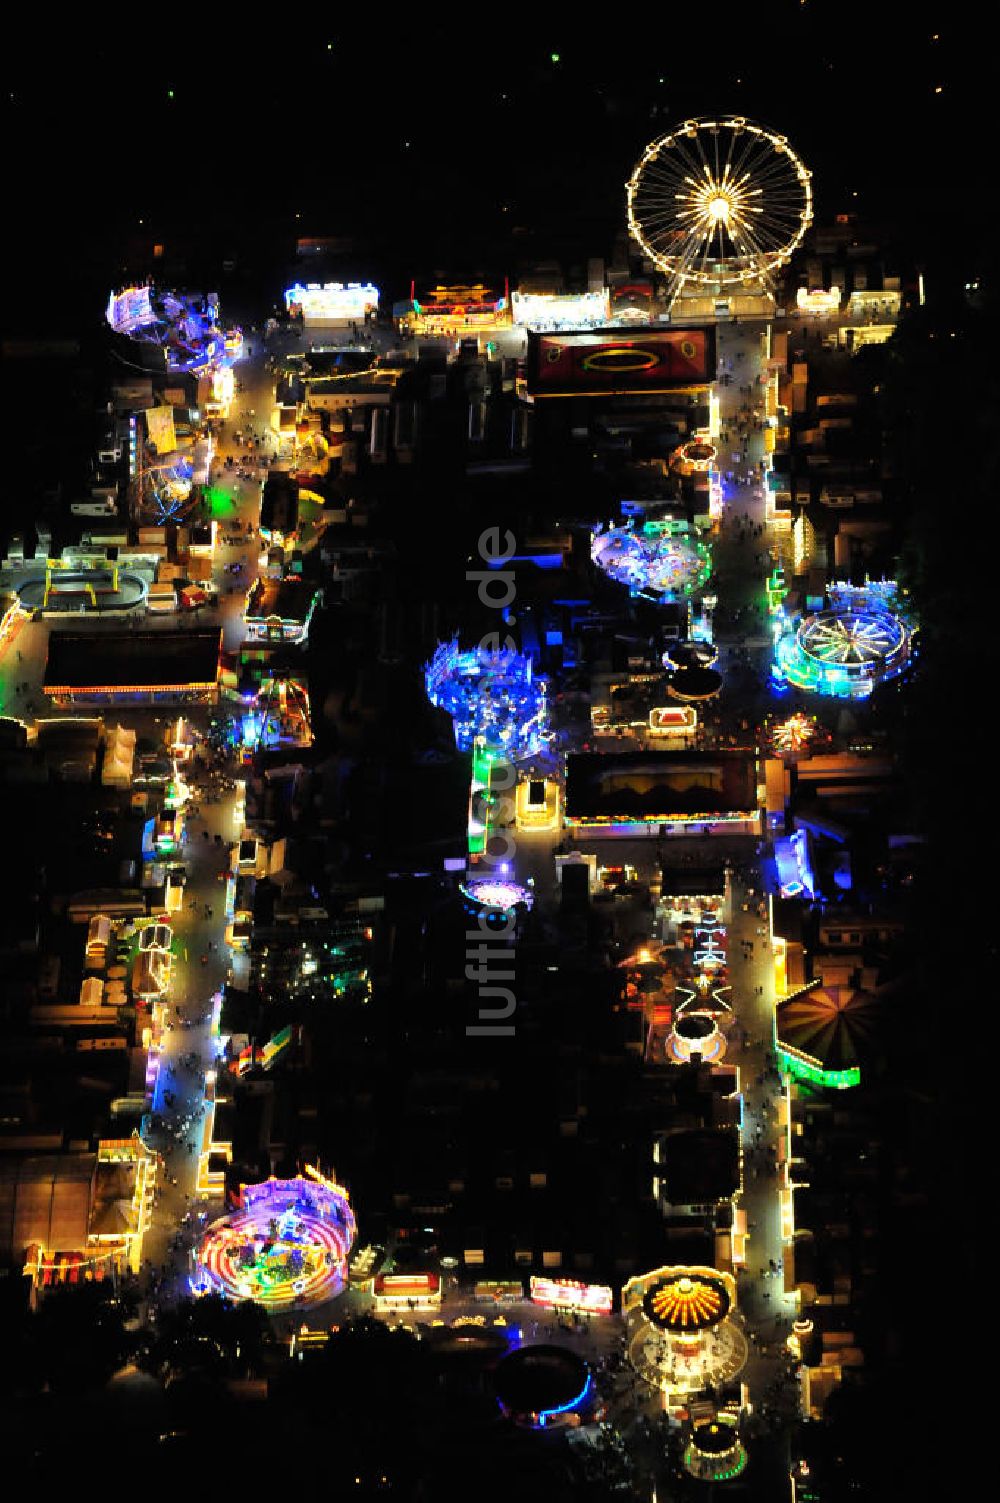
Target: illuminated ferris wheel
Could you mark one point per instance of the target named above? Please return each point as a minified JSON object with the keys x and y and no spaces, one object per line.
{"x":719,"y":203}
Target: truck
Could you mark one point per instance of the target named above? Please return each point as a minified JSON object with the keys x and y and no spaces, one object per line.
{"x":162,"y":597}
{"x":94,"y":505}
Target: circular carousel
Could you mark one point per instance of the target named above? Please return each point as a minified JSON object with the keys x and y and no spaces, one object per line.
{"x":533,"y":1384}
{"x":286,"y":1247}
{"x":495,"y":899}
{"x":715,"y":1452}
{"x":682,"y":1334}
{"x":695,"y":1034}
{"x":845,"y":652}
{"x":693,"y":686}
{"x":825,"y":1032}
{"x":693,"y":458}
{"x":663,"y":560}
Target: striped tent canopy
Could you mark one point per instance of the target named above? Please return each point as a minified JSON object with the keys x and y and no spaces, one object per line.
{"x":834,"y":1024}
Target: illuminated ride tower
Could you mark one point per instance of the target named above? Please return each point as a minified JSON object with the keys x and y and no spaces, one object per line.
{"x":499,"y":711}
{"x":491,"y":696}
{"x":683,"y":1332}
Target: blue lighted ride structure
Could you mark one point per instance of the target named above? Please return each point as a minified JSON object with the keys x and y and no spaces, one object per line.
{"x":860,"y":640}
{"x":490,"y":694}
{"x":184,"y":325}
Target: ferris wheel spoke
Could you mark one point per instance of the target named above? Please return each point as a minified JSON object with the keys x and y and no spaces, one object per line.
{"x":743,"y":166}
{"x":757,"y":249}
{"x":669,"y":172}
{"x":689,"y":159}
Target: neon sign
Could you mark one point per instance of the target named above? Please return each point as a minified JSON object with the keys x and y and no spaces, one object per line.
{"x":710,"y":944}
{"x":570,"y":1294}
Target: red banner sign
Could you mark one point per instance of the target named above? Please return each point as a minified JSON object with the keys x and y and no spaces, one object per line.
{"x":580,"y":363}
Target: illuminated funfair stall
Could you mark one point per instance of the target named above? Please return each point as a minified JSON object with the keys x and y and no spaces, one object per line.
{"x":571,"y":1294}
{"x":560,"y":310}
{"x":454,"y":311}
{"x":332,"y":302}
{"x":861,"y":640}
{"x":287,"y":1246}
{"x":682,"y":1331}
{"x":663,"y":560}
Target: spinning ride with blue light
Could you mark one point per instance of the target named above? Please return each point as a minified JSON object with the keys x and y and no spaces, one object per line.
{"x":490,"y":695}
{"x":184,"y":325}
{"x":860,"y":641}
{"x":662,"y":560}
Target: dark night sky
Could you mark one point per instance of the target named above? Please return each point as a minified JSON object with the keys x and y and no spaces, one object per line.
{"x":464,"y":146}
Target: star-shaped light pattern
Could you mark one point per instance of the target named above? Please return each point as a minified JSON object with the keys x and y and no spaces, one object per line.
{"x":686,"y":1303}
{"x":793,"y":734}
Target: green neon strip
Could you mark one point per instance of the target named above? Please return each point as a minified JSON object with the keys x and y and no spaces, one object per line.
{"x":839,"y":1080}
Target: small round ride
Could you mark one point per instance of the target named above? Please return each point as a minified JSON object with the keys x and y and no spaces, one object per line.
{"x":690,"y":653}
{"x":183,"y":325}
{"x":693,"y":458}
{"x":286,"y":1247}
{"x":495,"y":896}
{"x":695,"y":1034}
{"x":694,"y":685}
{"x":663,"y":560}
{"x":719,"y":203}
{"x":490,"y":694}
{"x":715,"y":1452}
{"x":846,"y":651}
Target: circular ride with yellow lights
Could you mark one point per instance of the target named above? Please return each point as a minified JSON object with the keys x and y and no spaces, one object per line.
{"x":719,"y":203}
{"x":683,"y":1330}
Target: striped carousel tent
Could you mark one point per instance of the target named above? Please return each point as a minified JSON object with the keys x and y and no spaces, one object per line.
{"x":832,"y":1024}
